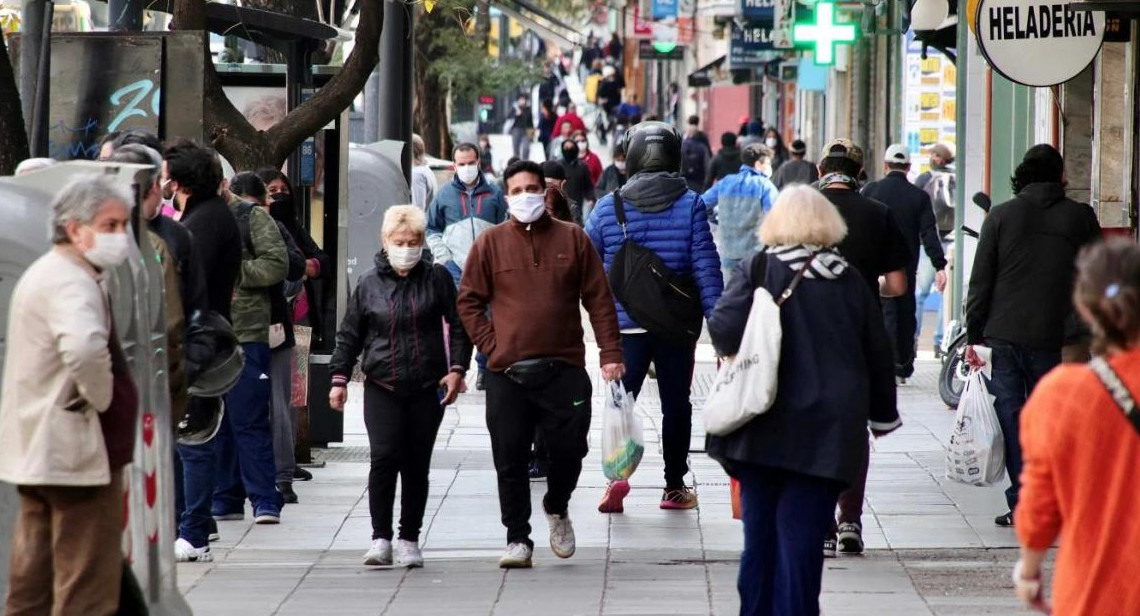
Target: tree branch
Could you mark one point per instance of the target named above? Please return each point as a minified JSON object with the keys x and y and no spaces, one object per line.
{"x":337,"y":94}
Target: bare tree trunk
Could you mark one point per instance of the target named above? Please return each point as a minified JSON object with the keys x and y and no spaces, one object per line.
{"x":432,"y":95}
{"x":248,"y":148}
{"x":13,"y":136}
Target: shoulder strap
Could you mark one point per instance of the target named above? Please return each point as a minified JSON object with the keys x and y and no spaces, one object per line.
{"x":1117,"y":389}
{"x":758,"y":274}
{"x":244,"y":213}
{"x":619,"y":211}
{"x":795,"y":282}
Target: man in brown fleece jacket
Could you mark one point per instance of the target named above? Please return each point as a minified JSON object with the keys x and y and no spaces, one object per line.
{"x":533,"y":272}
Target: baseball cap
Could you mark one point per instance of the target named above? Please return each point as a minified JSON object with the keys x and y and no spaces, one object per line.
{"x":799,"y":147}
{"x":945,"y":151}
{"x":843,"y":148}
{"x":553,"y":170}
{"x":897,"y":154}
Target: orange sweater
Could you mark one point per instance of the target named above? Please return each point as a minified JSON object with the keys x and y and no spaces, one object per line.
{"x":1081,"y":480}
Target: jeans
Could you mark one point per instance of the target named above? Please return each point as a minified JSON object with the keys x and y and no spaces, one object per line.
{"x":244,"y":444}
{"x":1016,"y":371}
{"x":674,"y":380}
{"x":900,"y":319}
{"x":282,"y":417}
{"x":924,"y":289}
{"x":561,"y":411}
{"x":786,"y":517}
{"x":521,"y":143}
{"x":199,"y":466}
{"x":401,"y":435}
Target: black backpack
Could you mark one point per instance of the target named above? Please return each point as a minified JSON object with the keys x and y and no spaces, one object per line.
{"x":658,"y":299}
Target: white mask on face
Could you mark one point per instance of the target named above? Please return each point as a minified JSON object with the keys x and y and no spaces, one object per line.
{"x":527,"y":207}
{"x":620,"y":164}
{"x":110,"y":250}
{"x":467,"y":173}
{"x":404,"y":258}
{"x":771,"y":142}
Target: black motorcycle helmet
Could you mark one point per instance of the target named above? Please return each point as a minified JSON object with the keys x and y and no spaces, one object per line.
{"x":214,"y":357}
{"x":652,"y":146}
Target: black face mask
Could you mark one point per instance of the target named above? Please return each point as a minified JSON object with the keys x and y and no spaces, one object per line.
{"x":281,"y":208}
{"x":570,"y":152}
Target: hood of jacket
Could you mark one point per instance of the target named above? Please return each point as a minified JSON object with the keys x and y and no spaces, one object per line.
{"x":1044,"y":194}
{"x":654,"y":191}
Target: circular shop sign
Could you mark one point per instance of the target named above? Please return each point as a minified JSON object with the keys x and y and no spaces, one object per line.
{"x":1040,"y":43}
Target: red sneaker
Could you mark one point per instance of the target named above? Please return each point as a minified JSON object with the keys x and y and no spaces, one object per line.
{"x":612,"y":499}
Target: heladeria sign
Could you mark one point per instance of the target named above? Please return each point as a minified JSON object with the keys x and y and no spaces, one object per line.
{"x":1038,"y":43}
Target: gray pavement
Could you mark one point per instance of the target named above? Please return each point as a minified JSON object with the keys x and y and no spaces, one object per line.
{"x":933,"y":548}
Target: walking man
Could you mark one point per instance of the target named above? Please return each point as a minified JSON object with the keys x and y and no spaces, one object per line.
{"x":522,"y":129}
{"x":912,"y":210}
{"x":740,"y":202}
{"x":796,"y":170}
{"x":533,"y":273}
{"x":1021,"y":291}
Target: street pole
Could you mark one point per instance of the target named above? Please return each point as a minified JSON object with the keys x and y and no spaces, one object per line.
{"x":126,"y":15}
{"x":35,"y":67}
{"x":396,"y":59}
{"x":372,"y":108}
{"x":962,"y":66}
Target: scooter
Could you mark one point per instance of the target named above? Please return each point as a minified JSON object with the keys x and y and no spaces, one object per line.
{"x":955,"y":369}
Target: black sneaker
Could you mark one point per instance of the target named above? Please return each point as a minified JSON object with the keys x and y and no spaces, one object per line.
{"x":536,"y":472}
{"x":480,"y":384}
{"x":851,"y":538}
{"x":829,"y":546}
{"x":287,"y":493}
{"x":1004,"y":521}
{"x":300,"y":474}
{"x":214,"y":534}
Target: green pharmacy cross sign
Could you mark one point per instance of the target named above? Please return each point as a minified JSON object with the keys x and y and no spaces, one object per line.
{"x":824,"y":33}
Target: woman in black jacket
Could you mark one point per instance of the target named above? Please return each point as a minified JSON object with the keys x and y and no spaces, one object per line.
{"x":835,"y":377}
{"x":395,"y":318}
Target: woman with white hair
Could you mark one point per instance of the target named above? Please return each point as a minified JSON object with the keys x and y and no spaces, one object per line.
{"x":395,"y":318}
{"x":835,"y":378}
{"x":68,"y":411}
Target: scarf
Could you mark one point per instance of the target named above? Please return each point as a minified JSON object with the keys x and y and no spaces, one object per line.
{"x":838,"y":178}
{"x":828,"y":264}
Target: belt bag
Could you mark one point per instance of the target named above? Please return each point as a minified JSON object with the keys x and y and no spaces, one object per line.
{"x":534,"y":373}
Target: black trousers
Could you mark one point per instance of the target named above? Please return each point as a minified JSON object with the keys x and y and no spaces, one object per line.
{"x":900,"y":318}
{"x":401,"y":435}
{"x":561,"y":412}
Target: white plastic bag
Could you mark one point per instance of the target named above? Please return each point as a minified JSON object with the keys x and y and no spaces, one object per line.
{"x":976,"y":455}
{"x":623,"y":444}
{"x":745,"y":385}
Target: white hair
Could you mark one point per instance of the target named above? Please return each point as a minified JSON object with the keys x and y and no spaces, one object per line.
{"x":29,"y":165}
{"x":80,"y":201}
{"x":403,"y":218}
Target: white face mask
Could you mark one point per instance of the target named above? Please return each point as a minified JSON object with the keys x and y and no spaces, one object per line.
{"x":467,"y":173}
{"x":404,"y":258}
{"x":583,"y":146}
{"x":771,"y":142}
{"x":620,"y":164}
{"x":527,"y":207}
{"x":110,"y":250}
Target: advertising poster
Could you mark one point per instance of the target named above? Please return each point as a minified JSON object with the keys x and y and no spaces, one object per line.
{"x":930,"y":102}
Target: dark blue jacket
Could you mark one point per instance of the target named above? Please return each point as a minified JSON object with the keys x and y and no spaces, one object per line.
{"x":666,"y":217}
{"x":836,"y":374}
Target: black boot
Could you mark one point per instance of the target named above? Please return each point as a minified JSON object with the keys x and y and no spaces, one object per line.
{"x":287,"y":493}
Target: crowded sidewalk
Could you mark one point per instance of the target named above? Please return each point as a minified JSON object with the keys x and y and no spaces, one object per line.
{"x":932,"y":545}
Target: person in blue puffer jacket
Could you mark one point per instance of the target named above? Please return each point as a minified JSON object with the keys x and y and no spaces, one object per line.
{"x":739,"y":203}
{"x":663,"y":215}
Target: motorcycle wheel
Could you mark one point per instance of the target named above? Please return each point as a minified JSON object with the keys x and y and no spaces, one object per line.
{"x":952,"y":379}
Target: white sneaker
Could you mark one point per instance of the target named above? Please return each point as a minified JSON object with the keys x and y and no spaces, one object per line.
{"x":517,"y":556}
{"x":410,"y":554}
{"x":380,"y":554}
{"x":185,"y":552}
{"x":561,"y":535}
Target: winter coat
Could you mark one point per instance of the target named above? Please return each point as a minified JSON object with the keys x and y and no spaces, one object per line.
{"x":458,"y":215}
{"x":281,"y":312}
{"x":217,"y":249}
{"x":594,"y":164}
{"x":1021,"y":286}
{"x":262,"y":268}
{"x":663,"y":215}
{"x":915,"y":215}
{"x":397,"y":323}
{"x":740,"y":202}
{"x":724,"y":164}
{"x":836,"y":374}
{"x":795,"y":172}
{"x":57,"y":375}
{"x":695,"y":159}
{"x":612,"y":179}
{"x":571,"y":118}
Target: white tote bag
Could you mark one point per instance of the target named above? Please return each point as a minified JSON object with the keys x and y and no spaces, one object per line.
{"x":745,"y":385}
{"x":976,"y":455}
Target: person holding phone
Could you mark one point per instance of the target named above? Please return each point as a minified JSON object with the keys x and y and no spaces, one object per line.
{"x":395,"y":319}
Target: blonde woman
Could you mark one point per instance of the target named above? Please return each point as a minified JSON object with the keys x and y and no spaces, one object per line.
{"x":395,"y":319}
{"x":836,"y":377}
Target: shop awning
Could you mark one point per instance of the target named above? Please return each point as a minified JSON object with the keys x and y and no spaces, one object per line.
{"x":545,"y":24}
{"x":717,"y":73}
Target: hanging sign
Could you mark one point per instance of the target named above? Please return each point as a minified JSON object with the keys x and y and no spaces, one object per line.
{"x":748,"y":45}
{"x":1038,"y":43}
{"x":762,"y":11}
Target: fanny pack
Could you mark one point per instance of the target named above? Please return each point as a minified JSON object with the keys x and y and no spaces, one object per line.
{"x":534,"y":373}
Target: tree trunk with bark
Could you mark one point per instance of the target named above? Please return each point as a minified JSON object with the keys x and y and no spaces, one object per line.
{"x":248,"y":148}
{"x":432,"y":93}
{"x":13,"y":135}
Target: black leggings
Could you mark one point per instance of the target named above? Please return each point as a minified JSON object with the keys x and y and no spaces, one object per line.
{"x":401,"y":434}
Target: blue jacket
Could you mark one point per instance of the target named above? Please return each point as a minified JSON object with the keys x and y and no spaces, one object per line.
{"x":666,"y":217}
{"x":457,"y":216}
{"x":740,"y":201}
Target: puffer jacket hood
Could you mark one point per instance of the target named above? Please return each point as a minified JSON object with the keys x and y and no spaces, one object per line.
{"x":654,"y":191}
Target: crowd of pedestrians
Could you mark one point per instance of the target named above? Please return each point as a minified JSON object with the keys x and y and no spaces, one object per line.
{"x":480,"y":267}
